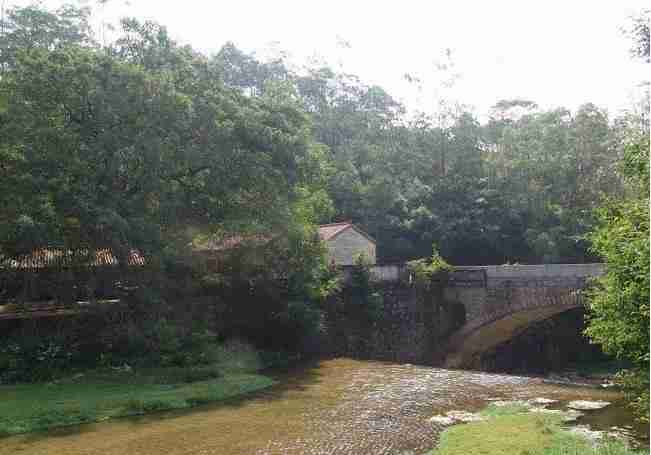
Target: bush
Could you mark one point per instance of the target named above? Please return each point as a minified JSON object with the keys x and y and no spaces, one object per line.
{"x":301,"y":323}
{"x":63,"y":417}
{"x":33,"y":358}
{"x":425,"y":270}
{"x":237,"y":355}
{"x":138,"y":406}
{"x":161,"y":343}
{"x":364,"y":292}
{"x":32,"y":355}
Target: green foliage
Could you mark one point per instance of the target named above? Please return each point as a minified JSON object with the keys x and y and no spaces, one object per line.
{"x":365,"y":294}
{"x":636,"y":385}
{"x":37,"y":356}
{"x":424,"y":271}
{"x":235,"y":144}
{"x":32,"y":27}
{"x":34,"y":358}
{"x":619,"y":304}
{"x":139,"y":142}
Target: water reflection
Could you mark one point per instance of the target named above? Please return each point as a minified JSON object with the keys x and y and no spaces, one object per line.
{"x":338,"y":406}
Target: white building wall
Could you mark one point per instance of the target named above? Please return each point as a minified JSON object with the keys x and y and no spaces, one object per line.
{"x":347,"y":245}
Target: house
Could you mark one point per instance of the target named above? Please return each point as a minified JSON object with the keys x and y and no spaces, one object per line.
{"x":345,"y":242}
{"x":59,"y":274}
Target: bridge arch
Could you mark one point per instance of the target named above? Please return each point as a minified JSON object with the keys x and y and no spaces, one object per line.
{"x":482,"y":334}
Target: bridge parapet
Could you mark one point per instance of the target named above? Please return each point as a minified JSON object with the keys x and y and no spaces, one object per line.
{"x":496,"y":275}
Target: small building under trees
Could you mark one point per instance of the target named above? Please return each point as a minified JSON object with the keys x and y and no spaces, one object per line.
{"x":66,"y":276}
{"x":345,"y":242}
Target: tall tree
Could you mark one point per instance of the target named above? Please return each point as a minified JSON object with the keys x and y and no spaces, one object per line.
{"x":619,"y":305}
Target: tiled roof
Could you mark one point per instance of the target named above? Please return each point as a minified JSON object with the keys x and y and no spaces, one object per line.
{"x":327,"y":231}
{"x":58,"y":257}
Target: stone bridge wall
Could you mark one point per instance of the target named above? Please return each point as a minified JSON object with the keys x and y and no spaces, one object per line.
{"x":412,"y":329}
{"x":485,"y":289}
{"x":489,"y":289}
{"x":400,"y":334}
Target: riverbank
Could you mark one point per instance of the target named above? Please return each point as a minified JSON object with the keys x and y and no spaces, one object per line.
{"x":519,"y":429}
{"x":338,"y":406}
{"x":104,"y":394}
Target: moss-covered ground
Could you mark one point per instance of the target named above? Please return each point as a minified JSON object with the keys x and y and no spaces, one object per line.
{"x":104,"y":394}
{"x":515,"y":431}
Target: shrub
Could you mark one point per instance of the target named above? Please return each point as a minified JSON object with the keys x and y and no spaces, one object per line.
{"x":62,"y":417}
{"x":33,"y":358}
{"x":365,"y":295}
{"x":424,"y":271}
{"x":237,"y":355}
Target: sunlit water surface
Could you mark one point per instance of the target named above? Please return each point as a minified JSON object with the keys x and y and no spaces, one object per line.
{"x":338,"y":406}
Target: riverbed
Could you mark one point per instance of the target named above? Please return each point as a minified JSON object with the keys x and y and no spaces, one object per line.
{"x":338,"y":406}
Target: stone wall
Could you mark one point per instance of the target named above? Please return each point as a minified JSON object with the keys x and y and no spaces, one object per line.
{"x":400,"y":334}
{"x":416,"y":327}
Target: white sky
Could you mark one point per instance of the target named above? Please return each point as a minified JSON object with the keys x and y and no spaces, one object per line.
{"x":557,"y":53}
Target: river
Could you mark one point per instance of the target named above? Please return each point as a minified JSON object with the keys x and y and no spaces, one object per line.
{"x":338,"y":406}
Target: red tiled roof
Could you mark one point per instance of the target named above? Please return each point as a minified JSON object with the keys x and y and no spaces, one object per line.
{"x":58,"y":257}
{"x":329,"y":231}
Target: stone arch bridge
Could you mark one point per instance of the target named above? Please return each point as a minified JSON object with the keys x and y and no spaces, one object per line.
{"x":501,"y":301}
{"x":479,"y":307}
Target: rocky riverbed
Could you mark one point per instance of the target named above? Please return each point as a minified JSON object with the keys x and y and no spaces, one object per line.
{"x":338,"y":406}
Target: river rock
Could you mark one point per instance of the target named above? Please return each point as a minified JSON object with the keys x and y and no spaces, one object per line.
{"x":462,"y":416}
{"x":442,"y":420}
{"x":569,"y":415}
{"x":542,"y":401}
{"x":502,"y":403}
{"x":585,"y":431}
{"x":546,"y":411}
{"x":586,"y":405}
{"x":572,"y":415}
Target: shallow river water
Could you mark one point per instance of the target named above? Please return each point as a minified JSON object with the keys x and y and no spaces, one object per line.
{"x":338,"y":406}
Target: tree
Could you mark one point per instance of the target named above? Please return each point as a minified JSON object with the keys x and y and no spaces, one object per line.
{"x":638,"y":31}
{"x":619,"y":305}
{"x":133,"y":145}
{"x":32,"y":27}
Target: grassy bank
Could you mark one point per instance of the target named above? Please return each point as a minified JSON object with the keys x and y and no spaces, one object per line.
{"x":104,"y":394}
{"x":515,"y":431}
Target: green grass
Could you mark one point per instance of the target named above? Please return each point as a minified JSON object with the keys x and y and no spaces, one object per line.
{"x":101,"y":395}
{"x":512,"y":430}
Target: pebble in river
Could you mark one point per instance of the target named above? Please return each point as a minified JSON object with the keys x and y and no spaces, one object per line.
{"x":585,"y":405}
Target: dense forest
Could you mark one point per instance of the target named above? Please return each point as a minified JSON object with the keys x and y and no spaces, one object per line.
{"x":520,"y":188}
{"x":145,"y":142}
